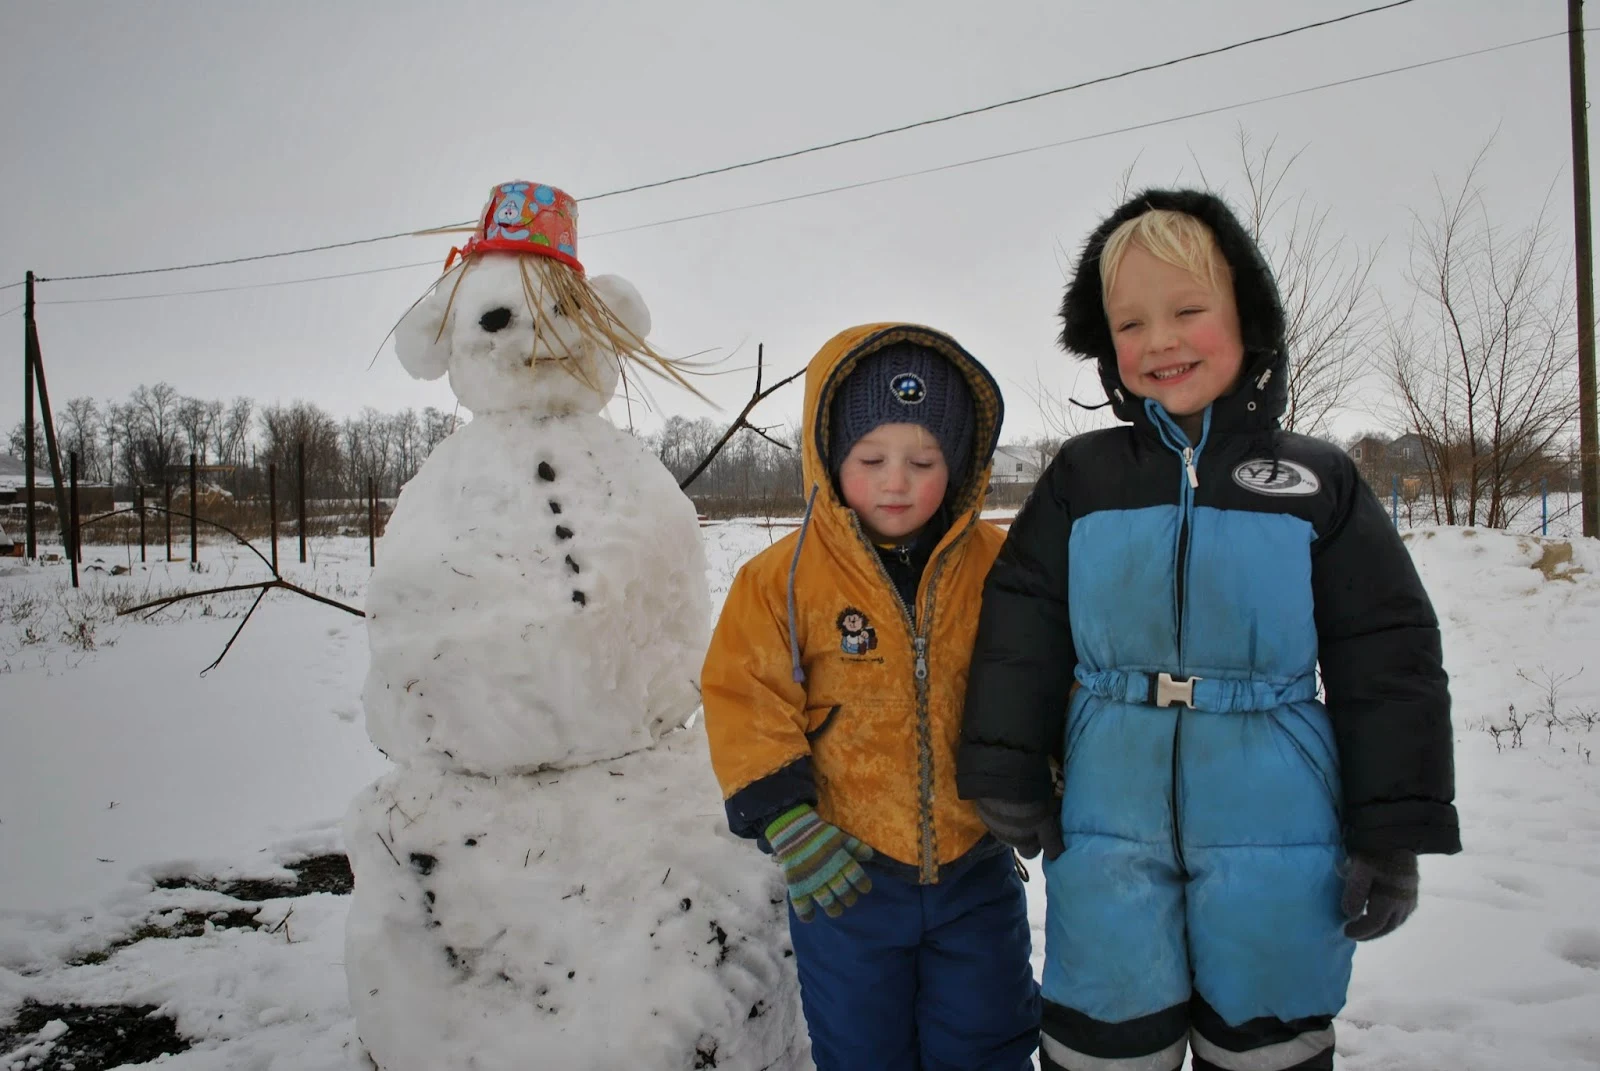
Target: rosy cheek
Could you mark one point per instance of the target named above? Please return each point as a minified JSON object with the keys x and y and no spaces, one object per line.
{"x":930,"y":493}
{"x":1214,"y":340}
{"x":1127,"y":362}
{"x":854,"y":486}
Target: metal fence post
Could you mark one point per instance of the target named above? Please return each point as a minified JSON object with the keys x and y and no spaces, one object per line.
{"x":272,"y":506}
{"x":300,"y":465}
{"x":194,"y":522}
{"x":372,"y":523}
{"x":74,"y":550}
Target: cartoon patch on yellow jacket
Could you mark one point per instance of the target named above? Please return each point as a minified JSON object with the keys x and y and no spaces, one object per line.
{"x":821,"y":685}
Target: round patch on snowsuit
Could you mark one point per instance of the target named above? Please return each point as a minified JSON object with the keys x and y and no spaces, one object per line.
{"x":1267,"y":476}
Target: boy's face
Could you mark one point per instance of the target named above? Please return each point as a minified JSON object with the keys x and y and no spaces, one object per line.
{"x":1177,"y":339}
{"x":894,"y":477}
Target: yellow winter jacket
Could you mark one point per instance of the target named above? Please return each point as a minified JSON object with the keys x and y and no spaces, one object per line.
{"x":870,"y":732}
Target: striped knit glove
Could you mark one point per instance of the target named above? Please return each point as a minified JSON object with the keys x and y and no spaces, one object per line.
{"x":821,"y":864}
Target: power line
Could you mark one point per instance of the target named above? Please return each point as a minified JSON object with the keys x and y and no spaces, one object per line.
{"x":243,"y":286}
{"x":8,"y":286}
{"x":1000,"y":104}
{"x":219,"y":263}
{"x":864,"y":183}
{"x":1074,"y":141}
{"x":763,"y":160}
{"x":9,"y":311}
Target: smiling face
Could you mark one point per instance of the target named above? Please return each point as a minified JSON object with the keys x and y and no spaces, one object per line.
{"x":894,"y":477}
{"x":1176,"y":335}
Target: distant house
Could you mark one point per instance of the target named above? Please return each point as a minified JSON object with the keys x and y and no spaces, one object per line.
{"x":1407,"y":453}
{"x":1013,"y":465}
{"x":92,"y":497}
{"x":13,"y":481}
{"x":1382,"y":461}
{"x":1369,"y":450}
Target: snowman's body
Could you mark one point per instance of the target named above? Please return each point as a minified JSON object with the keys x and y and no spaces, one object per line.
{"x":599,"y":917}
{"x":539,"y":882}
{"x":540,"y":600}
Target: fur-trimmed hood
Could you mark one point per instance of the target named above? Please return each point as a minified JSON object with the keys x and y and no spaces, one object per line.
{"x":1263,"y":394}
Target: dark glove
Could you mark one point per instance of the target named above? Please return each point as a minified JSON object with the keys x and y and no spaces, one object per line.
{"x":821,"y":863}
{"x":1380,"y":893}
{"x":1029,"y":826}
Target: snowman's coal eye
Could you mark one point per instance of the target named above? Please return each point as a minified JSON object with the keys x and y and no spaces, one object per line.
{"x":495,"y":319}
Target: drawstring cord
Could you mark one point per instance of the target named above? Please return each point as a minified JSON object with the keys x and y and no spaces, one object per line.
{"x":794,"y":566}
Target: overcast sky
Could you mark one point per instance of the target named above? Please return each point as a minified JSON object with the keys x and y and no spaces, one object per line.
{"x":145,"y":135}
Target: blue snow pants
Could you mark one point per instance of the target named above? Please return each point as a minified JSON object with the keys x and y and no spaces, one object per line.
{"x":1197,"y":902}
{"x":923,"y":977}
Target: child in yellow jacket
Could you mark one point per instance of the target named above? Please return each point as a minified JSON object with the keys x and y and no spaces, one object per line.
{"x":833,"y":697}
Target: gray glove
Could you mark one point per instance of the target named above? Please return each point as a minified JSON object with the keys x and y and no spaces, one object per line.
{"x":1380,"y":893}
{"x":1029,"y":826}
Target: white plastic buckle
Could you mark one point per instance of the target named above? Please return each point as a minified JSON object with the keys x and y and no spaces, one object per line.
{"x":1169,"y":691}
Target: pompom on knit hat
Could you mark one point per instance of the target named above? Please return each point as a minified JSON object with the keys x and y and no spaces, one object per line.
{"x":904,"y":383}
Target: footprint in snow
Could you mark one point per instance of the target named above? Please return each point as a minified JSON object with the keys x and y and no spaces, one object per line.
{"x":1517,"y":884}
{"x":1546,"y":992}
{"x":1581,"y":948}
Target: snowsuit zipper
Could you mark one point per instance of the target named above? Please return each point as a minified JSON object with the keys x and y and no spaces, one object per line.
{"x":1189,"y":482}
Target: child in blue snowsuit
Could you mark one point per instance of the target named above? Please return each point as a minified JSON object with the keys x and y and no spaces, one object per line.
{"x":1222,"y":837}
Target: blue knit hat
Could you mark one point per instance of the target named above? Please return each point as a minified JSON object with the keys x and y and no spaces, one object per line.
{"x":905,"y":383}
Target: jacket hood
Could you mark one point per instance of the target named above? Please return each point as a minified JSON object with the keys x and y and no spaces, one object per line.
{"x":833,"y":363}
{"x":1263,"y":393}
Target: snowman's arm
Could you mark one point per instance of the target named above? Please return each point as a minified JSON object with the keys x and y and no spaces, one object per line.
{"x":755,"y":710}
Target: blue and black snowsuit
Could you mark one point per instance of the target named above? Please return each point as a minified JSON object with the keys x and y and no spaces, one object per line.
{"x":1193,"y":589}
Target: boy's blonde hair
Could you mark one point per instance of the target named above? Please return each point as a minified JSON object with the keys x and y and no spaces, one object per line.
{"x":1175,"y":238}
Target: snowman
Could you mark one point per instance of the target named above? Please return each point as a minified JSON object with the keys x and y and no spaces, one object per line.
{"x":545,"y":880}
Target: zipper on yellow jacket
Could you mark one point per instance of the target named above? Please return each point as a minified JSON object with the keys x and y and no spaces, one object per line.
{"x":928,"y":843}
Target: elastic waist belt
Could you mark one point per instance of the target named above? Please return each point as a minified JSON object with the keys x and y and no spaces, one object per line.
{"x":1219,"y":695}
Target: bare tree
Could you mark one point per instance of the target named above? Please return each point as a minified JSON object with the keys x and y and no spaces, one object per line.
{"x":1063,"y":414}
{"x":122,"y":438}
{"x":1327,"y":299}
{"x":285,"y":427}
{"x":1482,"y":358}
{"x":154,"y":411}
{"x":197,"y":417}
{"x":17,"y":442}
{"x":436,"y":427}
{"x":367,"y":444}
{"x":78,"y":430}
{"x":230,"y":432}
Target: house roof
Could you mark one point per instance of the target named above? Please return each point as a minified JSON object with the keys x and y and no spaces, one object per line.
{"x":13,"y":473}
{"x":1021,"y":456}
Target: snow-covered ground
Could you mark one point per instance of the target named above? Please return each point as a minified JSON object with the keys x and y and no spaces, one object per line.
{"x":122,"y":767}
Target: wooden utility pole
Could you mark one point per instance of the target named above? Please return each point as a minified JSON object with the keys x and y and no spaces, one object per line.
{"x":33,"y":378}
{"x":27,"y":415}
{"x":1588,"y":409}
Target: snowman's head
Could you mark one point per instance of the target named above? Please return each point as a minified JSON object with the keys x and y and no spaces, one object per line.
{"x":524,"y":332}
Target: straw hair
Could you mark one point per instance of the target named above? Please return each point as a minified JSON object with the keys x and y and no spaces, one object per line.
{"x":569,"y":292}
{"x":1175,"y":238}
